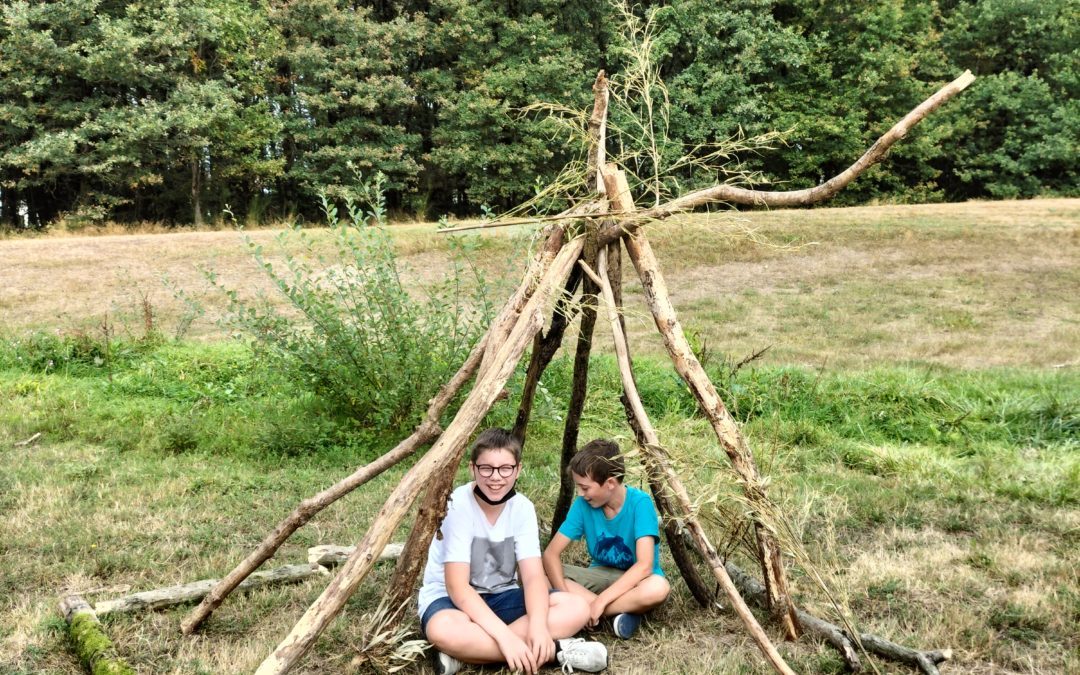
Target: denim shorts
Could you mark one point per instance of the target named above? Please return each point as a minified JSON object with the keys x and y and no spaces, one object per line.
{"x":509,"y":606}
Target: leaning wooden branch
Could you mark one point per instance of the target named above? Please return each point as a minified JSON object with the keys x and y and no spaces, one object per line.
{"x":726,"y":430}
{"x":659,"y":464}
{"x":443,"y":456}
{"x":427,"y":431}
{"x":736,"y":195}
{"x":94,"y":648}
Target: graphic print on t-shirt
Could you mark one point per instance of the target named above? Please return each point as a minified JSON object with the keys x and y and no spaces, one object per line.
{"x":611,"y":551}
{"x":492,"y":565}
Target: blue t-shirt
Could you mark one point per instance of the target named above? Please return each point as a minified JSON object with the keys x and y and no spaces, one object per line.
{"x":613,"y":543}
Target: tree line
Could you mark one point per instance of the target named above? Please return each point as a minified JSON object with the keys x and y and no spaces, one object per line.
{"x":184,"y":110}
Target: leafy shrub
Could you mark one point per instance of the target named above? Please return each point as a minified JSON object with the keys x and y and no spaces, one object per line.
{"x":358,"y":338}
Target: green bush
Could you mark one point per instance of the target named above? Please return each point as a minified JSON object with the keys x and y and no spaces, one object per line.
{"x":359,"y":339}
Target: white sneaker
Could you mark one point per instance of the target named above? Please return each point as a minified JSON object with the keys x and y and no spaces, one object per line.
{"x":578,"y":654}
{"x":445,"y":664}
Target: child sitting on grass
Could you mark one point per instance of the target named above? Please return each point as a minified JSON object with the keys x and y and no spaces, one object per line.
{"x":472,"y":607}
{"x":622,"y":532}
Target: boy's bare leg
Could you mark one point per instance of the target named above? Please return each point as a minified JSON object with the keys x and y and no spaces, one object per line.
{"x":454,"y":633}
{"x":648,"y":594}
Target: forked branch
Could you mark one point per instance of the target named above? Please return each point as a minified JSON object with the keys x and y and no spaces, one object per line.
{"x":787,"y":199}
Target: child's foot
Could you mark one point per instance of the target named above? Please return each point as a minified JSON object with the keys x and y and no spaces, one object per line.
{"x":578,"y":654}
{"x":625,"y":625}
{"x":446,"y":664}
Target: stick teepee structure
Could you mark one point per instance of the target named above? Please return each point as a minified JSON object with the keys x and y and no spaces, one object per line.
{"x":582,"y":249}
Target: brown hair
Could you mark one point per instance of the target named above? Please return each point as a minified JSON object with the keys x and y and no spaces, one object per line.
{"x":496,"y":439}
{"x":599,"y":460}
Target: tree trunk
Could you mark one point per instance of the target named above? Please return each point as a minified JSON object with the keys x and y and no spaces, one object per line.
{"x":196,"y":191}
{"x":443,"y":456}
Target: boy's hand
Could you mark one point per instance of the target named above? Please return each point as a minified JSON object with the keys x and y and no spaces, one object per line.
{"x":517,"y":654}
{"x":540,"y":642}
{"x":596,"y":610}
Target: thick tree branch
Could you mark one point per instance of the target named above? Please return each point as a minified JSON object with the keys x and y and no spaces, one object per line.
{"x":443,"y":456}
{"x":659,"y":465}
{"x":736,"y":195}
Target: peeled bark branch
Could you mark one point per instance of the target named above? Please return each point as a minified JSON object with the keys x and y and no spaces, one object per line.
{"x":736,"y":195}
{"x":544,"y":347}
{"x":727,"y":432}
{"x":659,"y":465}
{"x":598,"y":130}
{"x":428,"y":517}
{"x":171,"y":596}
{"x":443,"y":457}
{"x":427,"y":431}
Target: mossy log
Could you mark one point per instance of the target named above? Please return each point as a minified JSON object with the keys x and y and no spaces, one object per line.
{"x":94,"y":649}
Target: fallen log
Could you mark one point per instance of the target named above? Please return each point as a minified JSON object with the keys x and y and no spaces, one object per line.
{"x":331,"y":555}
{"x":197,"y":590}
{"x":94,"y":649}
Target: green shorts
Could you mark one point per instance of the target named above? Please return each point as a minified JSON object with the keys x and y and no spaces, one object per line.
{"x":596,"y":579}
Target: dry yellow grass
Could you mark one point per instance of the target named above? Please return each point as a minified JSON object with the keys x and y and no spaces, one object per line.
{"x":969,"y":285}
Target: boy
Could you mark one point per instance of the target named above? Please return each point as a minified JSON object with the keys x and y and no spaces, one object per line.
{"x":472,"y":607}
{"x":622,"y":532}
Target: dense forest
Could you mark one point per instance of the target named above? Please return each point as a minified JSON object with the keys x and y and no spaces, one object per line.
{"x":181,"y":110}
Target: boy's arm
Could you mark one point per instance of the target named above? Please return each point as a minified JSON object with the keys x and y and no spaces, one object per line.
{"x":634,"y":575}
{"x":553,"y":561}
{"x":465,"y":597}
{"x":536,"y":608}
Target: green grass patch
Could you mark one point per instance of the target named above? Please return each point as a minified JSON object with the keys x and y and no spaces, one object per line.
{"x":940,"y":505}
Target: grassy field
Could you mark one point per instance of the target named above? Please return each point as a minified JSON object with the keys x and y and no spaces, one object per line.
{"x":918,"y":414}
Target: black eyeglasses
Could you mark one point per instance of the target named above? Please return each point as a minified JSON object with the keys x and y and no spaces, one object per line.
{"x":486,"y":470}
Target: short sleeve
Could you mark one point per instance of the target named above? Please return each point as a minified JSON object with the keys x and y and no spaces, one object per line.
{"x":526,"y":532}
{"x":457,"y":531}
{"x":573,"y":527}
{"x":646,"y":522}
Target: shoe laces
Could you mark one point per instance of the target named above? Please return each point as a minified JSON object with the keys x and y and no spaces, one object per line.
{"x":565,"y":643}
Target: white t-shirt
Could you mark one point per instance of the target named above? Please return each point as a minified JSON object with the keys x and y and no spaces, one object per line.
{"x":492,"y":551}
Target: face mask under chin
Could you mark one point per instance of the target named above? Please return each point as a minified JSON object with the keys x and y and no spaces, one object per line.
{"x":502,"y":500}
